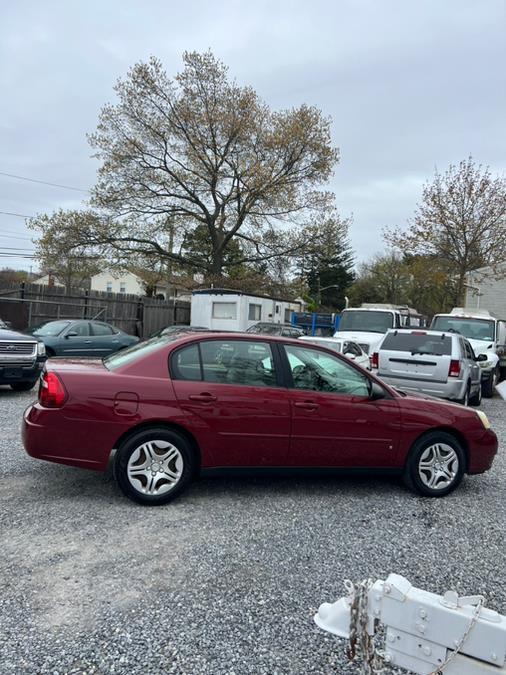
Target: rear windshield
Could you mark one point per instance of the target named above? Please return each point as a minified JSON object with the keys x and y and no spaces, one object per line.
{"x":418,"y":344}
{"x":137,"y":351}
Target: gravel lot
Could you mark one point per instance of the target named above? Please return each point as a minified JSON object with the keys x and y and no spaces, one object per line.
{"x":226,"y":579}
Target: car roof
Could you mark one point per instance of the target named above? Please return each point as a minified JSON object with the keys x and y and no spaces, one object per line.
{"x":421,"y":331}
{"x":323,"y":338}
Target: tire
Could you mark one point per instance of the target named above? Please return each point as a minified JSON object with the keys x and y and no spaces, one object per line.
{"x":49,"y":352}
{"x":154,"y":466}
{"x":488,"y":385}
{"x":22,"y":386}
{"x":436,"y":447}
{"x":465,"y":400}
{"x":475,"y":399}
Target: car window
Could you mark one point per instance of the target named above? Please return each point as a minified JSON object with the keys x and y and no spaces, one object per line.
{"x":317,"y":371}
{"x":185,"y":364}
{"x":238,"y":362}
{"x":469,"y":352}
{"x":351,"y":348}
{"x":102,"y":329}
{"x":51,"y":329}
{"x":80,"y":328}
{"x":418,"y":343}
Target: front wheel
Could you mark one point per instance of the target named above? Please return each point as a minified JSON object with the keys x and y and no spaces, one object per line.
{"x":489,"y":384}
{"x":153,"y":466}
{"x":435,"y":465}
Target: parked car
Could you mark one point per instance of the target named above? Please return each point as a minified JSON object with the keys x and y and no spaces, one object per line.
{"x":347,"y":347}
{"x":176,"y":406}
{"x":430,"y":362}
{"x":268,"y":328}
{"x":21,"y":359}
{"x":71,"y":338}
{"x":179,"y":330}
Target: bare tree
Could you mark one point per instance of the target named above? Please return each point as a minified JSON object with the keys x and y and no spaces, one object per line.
{"x":461,"y":220}
{"x":201,"y":151}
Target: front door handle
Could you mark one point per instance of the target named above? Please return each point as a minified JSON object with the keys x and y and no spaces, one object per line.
{"x":307,"y":405}
{"x":205,"y":397}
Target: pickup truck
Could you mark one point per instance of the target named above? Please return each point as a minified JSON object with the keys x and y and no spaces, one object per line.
{"x":21,"y":359}
{"x":487,"y":335}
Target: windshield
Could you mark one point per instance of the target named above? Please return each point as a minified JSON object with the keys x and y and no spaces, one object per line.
{"x":472,"y":329}
{"x":366,"y":321}
{"x":137,"y":351}
{"x":265,"y":329}
{"x":50,"y":329}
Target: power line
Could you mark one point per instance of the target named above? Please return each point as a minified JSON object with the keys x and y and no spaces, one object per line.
{"x":19,"y":215}
{"x":42,"y":182}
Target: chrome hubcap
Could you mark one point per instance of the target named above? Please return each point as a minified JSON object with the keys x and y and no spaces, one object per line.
{"x":155,"y":467}
{"x":438,"y":466}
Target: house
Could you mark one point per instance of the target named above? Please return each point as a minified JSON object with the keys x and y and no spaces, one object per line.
{"x":227,"y":309}
{"x":113,"y":281}
{"x":486,"y":289}
{"x":47,"y":280}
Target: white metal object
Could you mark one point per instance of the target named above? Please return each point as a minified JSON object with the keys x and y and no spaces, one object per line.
{"x":425,"y":633}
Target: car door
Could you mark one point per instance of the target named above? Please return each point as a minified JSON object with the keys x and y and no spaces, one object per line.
{"x":232,"y":387}
{"x":471,"y":364}
{"x":104,"y":339}
{"x":75,"y":340}
{"x":335,"y":420}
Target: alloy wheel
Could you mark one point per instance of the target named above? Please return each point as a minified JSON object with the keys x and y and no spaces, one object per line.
{"x":155,"y":467}
{"x":438,"y":466}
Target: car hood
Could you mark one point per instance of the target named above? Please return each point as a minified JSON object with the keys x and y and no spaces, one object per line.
{"x":482,"y":346}
{"x":19,"y":337}
{"x":362,"y":337}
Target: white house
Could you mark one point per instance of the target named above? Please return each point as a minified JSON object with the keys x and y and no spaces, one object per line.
{"x":224,"y":309}
{"x":47,"y":280}
{"x":127,"y":282}
{"x":486,"y":289}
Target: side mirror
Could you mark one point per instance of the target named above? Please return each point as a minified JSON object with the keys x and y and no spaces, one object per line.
{"x":377,"y":392}
{"x":482,"y":357}
{"x":71,"y":333}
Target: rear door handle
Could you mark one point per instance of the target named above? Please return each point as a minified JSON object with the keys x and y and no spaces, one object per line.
{"x":205,"y":397}
{"x":307,"y":405}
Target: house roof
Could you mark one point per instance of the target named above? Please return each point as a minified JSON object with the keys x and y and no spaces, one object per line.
{"x":233,"y":291}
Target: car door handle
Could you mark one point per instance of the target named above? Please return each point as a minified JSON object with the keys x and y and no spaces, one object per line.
{"x":205,"y":397}
{"x":87,"y":342}
{"x":307,"y":405}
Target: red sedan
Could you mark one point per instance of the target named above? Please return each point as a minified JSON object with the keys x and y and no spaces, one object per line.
{"x":173,"y":407}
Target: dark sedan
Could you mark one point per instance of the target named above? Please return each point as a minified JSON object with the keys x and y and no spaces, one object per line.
{"x":174,"y":407}
{"x":82,"y":338}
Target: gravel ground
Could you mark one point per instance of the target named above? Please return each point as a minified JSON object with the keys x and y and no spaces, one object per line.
{"x":226,"y":579}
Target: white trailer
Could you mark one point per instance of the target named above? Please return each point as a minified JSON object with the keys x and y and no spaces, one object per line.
{"x":224,"y":309}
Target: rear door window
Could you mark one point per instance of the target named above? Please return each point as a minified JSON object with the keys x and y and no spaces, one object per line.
{"x":418,"y":343}
{"x":238,"y":362}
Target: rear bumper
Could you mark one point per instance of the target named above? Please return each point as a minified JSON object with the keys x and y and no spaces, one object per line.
{"x":48,"y":435}
{"x":453,"y":389}
{"x":482,"y":451}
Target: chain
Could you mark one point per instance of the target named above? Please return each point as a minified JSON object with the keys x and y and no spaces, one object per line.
{"x":360,"y":642}
{"x":439,"y":670}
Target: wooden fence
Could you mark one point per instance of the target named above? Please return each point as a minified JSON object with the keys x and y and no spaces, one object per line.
{"x":25,"y":305}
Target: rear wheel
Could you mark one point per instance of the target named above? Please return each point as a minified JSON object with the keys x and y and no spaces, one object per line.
{"x":475,"y":399}
{"x":489,"y":384}
{"x":465,"y":400}
{"x":435,"y":465}
{"x":22,"y":386}
{"x":154,"y":466}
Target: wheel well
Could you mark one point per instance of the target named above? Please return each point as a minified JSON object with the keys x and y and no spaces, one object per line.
{"x":452,"y":432}
{"x":168,"y":425}
{"x":49,"y":351}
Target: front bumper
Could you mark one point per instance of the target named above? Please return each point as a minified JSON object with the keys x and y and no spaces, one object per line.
{"x":11,"y":373}
{"x":482,"y":451}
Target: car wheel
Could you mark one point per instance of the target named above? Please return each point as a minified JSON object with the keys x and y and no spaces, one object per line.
{"x":465,"y":400}
{"x":475,"y":399}
{"x":22,"y":386}
{"x":435,"y":465}
{"x":488,"y":385}
{"x":154,"y":466}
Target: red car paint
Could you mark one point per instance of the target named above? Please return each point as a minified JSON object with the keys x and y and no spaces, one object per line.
{"x":240,"y":425}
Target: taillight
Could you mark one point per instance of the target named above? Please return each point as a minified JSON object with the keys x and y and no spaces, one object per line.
{"x":375,"y":360}
{"x":52,"y":393}
{"x":454,"y":370}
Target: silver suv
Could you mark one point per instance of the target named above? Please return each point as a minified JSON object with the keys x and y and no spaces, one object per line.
{"x":430,"y":362}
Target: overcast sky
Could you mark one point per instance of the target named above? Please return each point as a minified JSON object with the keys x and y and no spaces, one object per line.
{"x":409,"y":85}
